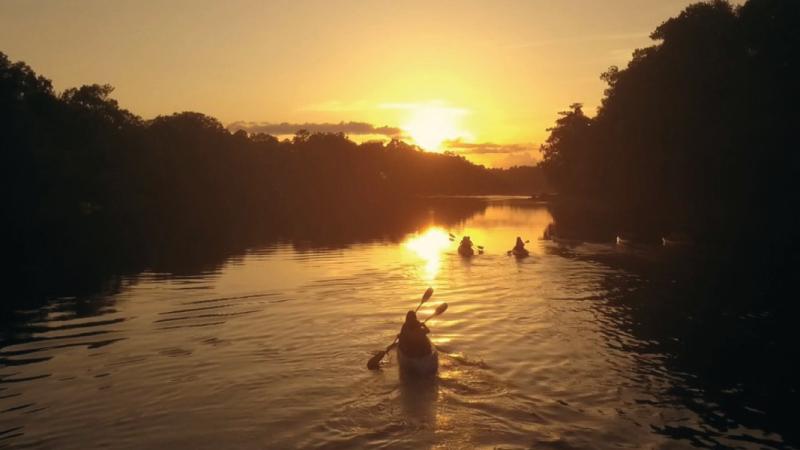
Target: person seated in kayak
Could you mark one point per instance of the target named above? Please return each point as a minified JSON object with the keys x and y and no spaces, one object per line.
{"x":413,"y":339}
{"x":466,"y":243}
{"x":519,"y":246}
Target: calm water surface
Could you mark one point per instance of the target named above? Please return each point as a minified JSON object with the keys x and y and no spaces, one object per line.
{"x":270,"y":349}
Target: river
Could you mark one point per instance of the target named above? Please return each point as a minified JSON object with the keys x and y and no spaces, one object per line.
{"x":267,"y":349}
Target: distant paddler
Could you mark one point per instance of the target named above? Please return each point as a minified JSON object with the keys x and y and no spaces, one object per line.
{"x":465,"y":247}
{"x":519,"y":249}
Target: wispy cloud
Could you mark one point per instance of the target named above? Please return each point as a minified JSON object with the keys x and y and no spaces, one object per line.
{"x":487,"y":148}
{"x":496,"y":155}
{"x":519,"y":159}
{"x":284,"y":128}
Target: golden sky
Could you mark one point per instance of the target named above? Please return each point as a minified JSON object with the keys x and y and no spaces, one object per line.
{"x":480,"y":78}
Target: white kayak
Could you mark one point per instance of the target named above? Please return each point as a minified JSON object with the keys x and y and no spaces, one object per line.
{"x":425,"y":365}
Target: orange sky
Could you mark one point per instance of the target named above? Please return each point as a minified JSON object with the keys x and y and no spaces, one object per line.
{"x":489,"y":76}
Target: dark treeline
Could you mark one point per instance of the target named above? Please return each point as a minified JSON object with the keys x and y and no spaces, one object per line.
{"x":698,"y":134}
{"x":77,"y":154}
{"x":84,"y":177}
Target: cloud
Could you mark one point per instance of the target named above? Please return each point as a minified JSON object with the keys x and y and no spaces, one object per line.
{"x":520,"y":159}
{"x":284,"y":128}
{"x":496,"y":155}
{"x":486,"y":148}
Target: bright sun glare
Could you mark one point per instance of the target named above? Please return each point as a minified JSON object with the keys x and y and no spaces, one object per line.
{"x":429,"y":246}
{"x":429,"y":126}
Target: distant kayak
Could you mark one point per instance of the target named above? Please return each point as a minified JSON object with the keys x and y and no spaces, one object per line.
{"x":519,"y":249}
{"x":424,"y":365}
{"x":520,"y":253}
{"x":465,"y":251}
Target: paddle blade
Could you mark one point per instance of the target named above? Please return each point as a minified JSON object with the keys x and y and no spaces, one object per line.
{"x":374,"y":363}
{"x":439,"y":310}
{"x":425,"y":297}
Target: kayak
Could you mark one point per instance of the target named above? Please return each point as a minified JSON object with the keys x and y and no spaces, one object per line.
{"x":466,"y":251}
{"x":623,"y":241}
{"x":425,"y":365}
{"x":520,"y":253}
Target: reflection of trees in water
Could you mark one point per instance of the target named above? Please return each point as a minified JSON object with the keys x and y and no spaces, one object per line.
{"x":585,"y":221}
{"x":88,"y":262}
{"x":341,"y":227}
{"x":724,"y":337}
{"x":719,"y":315}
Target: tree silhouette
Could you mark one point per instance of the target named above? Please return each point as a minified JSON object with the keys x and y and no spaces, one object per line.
{"x":696,"y":133}
{"x":83,"y":176}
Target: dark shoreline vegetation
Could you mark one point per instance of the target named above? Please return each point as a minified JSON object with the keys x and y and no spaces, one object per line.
{"x":697,"y":135}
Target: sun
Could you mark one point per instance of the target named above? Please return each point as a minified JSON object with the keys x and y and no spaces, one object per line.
{"x":430,"y":125}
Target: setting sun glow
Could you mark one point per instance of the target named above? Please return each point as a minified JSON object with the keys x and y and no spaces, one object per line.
{"x":430,"y":125}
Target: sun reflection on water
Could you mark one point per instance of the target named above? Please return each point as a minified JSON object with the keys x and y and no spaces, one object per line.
{"x":429,"y":246}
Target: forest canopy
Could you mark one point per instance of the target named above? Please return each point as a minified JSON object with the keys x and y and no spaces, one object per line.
{"x":91,"y":188}
{"x":77,"y":157}
{"x":698,"y":132}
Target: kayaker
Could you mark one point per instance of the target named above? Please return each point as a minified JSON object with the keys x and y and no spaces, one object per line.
{"x":413,"y":339}
{"x":465,"y":247}
{"x":519,"y":246}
